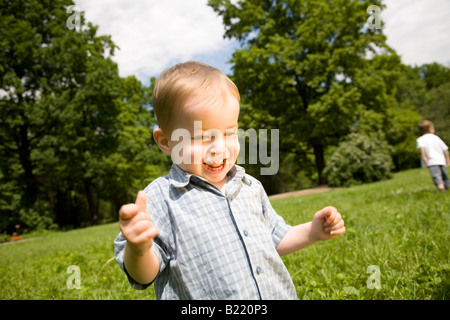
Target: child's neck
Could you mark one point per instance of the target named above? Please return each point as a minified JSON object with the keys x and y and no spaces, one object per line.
{"x":222,"y":185}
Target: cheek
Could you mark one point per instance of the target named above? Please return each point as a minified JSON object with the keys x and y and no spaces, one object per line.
{"x":187,"y":153}
{"x":196,"y":153}
{"x":233,"y":147}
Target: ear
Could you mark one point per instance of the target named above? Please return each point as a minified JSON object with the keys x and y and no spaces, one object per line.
{"x":162,"y":141}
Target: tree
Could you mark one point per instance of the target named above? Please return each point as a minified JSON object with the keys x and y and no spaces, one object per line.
{"x":66,"y":119}
{"x":422,"y":93}
{"x":311,"y":66}
{"x":437,"y":110}
{"x":137,"y":159}
{"x":53,"y":80}
{"x":87,"y":130}
{"x":436,"y":103}
{"x":434,"y":74}
{"x":359,"y":159}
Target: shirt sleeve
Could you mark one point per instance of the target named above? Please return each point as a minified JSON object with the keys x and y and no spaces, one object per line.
{"x":277,"y":226}
{"x":420,"y":143}
{"x":119,"y":247}
{"x":443,"y":145}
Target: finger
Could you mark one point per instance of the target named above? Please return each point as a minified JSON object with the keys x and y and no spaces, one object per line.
{"x":337,"y":226}
{"x":135,"y":225}
{"x":338,"y":232}
{"x":147,"y":235}
{"x":152,"y":232}
{"x":141,"y":226}
{"x":330,"y":215}
{"x":323,"y":214}
{"x":336,"y":220}
{"x":141,"y":201}
{"x":128,"y":211}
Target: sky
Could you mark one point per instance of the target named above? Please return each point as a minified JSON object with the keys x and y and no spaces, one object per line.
{"x":155,"y":34}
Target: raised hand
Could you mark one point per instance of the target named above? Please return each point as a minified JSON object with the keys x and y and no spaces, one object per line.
{"x":136,"y":225}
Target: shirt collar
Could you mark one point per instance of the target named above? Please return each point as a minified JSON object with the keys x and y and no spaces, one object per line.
{"x":180,"y":178}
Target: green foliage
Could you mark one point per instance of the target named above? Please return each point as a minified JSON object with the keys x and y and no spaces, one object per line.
{"x":434,"y":74}
{"x":312,"y":70}
{"x":426,"y":90}
{"x":437,"y":110}
{"x":309,"y":68}
{"x":75,"y":138}
{"x":401,"y":133}
{"x":359,"y":159}
{"x":4,"y":237}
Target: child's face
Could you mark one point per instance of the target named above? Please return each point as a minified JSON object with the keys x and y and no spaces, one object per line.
{"x":431,"y":129}
{"x":214,"y":146}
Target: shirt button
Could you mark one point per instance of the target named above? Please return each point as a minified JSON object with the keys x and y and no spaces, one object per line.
{"x":258,"y":270}
{"x":245,"y":233}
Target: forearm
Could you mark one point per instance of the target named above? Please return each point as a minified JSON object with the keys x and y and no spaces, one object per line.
{"x":423,"y":154}
{"x":447,"y":158}
{"x":142,"y":268}
{"x":296,"y":238}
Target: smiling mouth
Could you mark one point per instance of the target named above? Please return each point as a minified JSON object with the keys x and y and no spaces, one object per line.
{"x":214,"y":166}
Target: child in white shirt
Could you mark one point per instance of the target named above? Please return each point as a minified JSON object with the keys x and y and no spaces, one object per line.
{"x":434,"y":153}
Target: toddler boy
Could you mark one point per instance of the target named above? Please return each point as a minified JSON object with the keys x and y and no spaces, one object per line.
{"x":434,"y":153}
{"x":207,"y":230}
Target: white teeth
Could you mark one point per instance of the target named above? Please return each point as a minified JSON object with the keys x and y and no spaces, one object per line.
{"x":210,"y":167}
{"x":213,"y":163}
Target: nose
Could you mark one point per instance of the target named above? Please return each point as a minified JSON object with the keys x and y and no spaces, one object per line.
{"x":217,"y":146}
{"x":217,"y":149}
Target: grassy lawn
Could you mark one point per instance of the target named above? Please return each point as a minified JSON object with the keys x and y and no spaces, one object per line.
{"x":400,"y":225}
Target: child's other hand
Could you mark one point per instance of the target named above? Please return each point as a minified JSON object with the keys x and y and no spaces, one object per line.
{"x":327,"y":224}
{"x":136,"y":225}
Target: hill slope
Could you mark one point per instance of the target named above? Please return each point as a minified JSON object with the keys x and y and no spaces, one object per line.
{"x":400,"y":227}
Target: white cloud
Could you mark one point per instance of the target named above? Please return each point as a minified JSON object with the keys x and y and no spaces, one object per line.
{"x":418,"y":30}
{"x":153,"y":34}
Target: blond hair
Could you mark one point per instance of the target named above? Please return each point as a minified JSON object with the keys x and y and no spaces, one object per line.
{"x":176,"y":84}
{"x":425,"y":126}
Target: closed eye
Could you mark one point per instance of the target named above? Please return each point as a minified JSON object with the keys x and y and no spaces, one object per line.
{"x":204,"y":138}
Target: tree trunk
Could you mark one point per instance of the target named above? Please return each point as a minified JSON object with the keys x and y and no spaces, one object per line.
{"x":31,"y":186}
{"x":320,"y":162}
{"x":93,"y":205}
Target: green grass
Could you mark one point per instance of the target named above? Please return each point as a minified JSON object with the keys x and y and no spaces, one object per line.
{"x":38,"y":269}
{"x":400,"y":225}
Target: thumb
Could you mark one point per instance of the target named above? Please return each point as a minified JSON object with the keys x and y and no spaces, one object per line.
{"x":141,"y":201}
{"x":327,"y":214}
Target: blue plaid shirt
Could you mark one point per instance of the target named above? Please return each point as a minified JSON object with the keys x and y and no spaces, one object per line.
{"x":212,"y":246}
